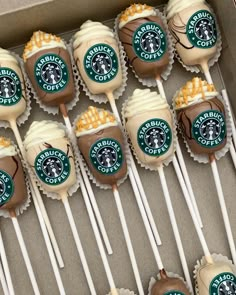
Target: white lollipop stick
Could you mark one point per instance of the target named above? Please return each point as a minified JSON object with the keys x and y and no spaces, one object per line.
{"x":25,"y":253}
{"x":182,"y":163}
{"x":75,"y":233}
{"x":3,"y":281}
{"x":36,"y":195}
{"x":6,"y":267}
{"x":175,"y":227}
{"x":193,"y":213}
{"x":223,"y":207}
{"x":85,"y":182}
{"x":127,"y":239}
{"x":134,"y":171}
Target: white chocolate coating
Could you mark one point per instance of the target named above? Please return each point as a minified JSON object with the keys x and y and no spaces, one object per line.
{"x":175,"y":6}
{"x":6,"y":148}
{"x":5,"y":55}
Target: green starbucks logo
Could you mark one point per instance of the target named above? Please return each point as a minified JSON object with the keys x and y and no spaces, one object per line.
{"x":149,"y":42}
{"x":154,"y":137}
{"x":52,"y":166}
{"x":201,"y":29}
{"x":209,"y":129}
{"x":106,"y":155}
{"x":174,"y":292}
{"x":223,"y":284}
{"x":10,"y":87}
{"x":51,"y":73}
{"x":101,"y":63}
{"x":6,"y":187}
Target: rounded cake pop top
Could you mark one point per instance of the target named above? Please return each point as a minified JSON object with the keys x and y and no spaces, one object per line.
{"x":176,"y":6}
{"x":149,"y":124}
{"x":12,"y":93}
{"x":97,"y":56}
{"x":143,"y":36}
{"x":13,"y":190}
{"x":49,"y":152}
{"x":102,"y":144}
{"x":201,"y":117}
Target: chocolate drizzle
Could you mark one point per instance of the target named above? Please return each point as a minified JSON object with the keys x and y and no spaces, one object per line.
{"x":17,"y":167}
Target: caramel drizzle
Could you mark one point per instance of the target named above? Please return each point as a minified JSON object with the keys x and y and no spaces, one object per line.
{"x":133,"y":9}
{"x":191,"y":89}
{"x":4,"y":142}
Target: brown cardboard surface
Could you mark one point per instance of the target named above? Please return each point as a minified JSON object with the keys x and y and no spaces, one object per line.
{"x":72,"y":275}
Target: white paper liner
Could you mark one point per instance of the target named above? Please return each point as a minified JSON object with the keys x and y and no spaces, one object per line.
{"x":102,"y":98}
{"x":23,"y":207}
{"x":71,"y":104}
{"x":204,"y":158}
{"x":167,"y":161}
{"x":151,"y":82}
{"x":202,"y":262}
{"x":124,"y":292}
{"x":171,"y":275}
{"x":88,"y":171}
{"x":73,"y":188}
{"x":25,"y":115}
{"x":213,"y":60}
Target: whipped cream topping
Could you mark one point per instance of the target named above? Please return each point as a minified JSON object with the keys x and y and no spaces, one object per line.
{"x":91,"y":30}
{"x":175,"y":6}
{"x":135,"y":11}
{"x":194,"y":91}
{"x":6,"y":148}
{"x":42,"y":132}
{"x":5,"y":55}
{"x":94,"y":120}
{"x":41,"y":41}
{"x":143,"y":100}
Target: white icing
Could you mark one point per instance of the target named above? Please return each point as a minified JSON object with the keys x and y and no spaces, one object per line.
{"x":7,"y":151}
{"x":5,"y":55}
{"x":42,"y":132}
{"x":95,"y":130}
{"x":91,"y":30}
{"x":143,"y":100}
{"x":175,"y":6}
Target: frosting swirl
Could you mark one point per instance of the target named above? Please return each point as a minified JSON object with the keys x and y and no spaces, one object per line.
{"x":43,"y":131}
{"x":94,"y":120}
{"x":91,"y":30}
{"x":6,"y":148}
{"x":175,"y":6}
{"x":194,"y":91}
{"x":5,"y":55}
{"x":40,"y":41}
{"x":135,"y":11}
{"x":143,"y":100}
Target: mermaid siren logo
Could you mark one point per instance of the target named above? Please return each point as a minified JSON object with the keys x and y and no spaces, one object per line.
{"x":223,"y":284}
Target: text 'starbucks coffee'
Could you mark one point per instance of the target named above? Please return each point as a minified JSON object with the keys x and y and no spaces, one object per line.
{"x":223,"y":284}
{"x":101,"y":63}
{"x":52,"y":166}
{"x":154,"y":137}
{"x":6,"y":187}
{"x":10,"y":87}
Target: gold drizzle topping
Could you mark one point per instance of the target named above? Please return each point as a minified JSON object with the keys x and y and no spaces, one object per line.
{"x":4,"y":142}
{"x":93,"y":118}
{"x":37,"y":40}
{"x":191,"y":89}
{"x":133,"y":9}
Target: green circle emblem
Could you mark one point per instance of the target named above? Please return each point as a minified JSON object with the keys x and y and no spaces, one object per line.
{"x":154,"y":137}
{"x":101,"y":63}
{"x":10,"y":87}
{"x":106,"y":156}
{"x":149,"y":42}
{"x":6,"y":187}
{"x":223,"y":284}
{"x":52,"y":166}
{"x":174,"y":292}
{"x":51,"y":73}
{"x":209,"y":129}
{"x":201,"y":29}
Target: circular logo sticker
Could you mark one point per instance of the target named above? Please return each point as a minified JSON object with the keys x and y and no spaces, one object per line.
{"x":52,"y":166}
{"x":201,"y":29}
{"x":209,"y":128}
{"x":51,"y":73}
{"x":149,"y":42}
{"x":223,"y":284}
{"x":106,"y":155}
{"x":154,"y":137}
{"x":174,"y":292}
{"x":6,"y":187}
{"x":101,"y":63}
{"x":10,"y":87}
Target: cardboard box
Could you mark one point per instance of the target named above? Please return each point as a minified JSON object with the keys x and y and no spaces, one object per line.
{"x":64,"y":17}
